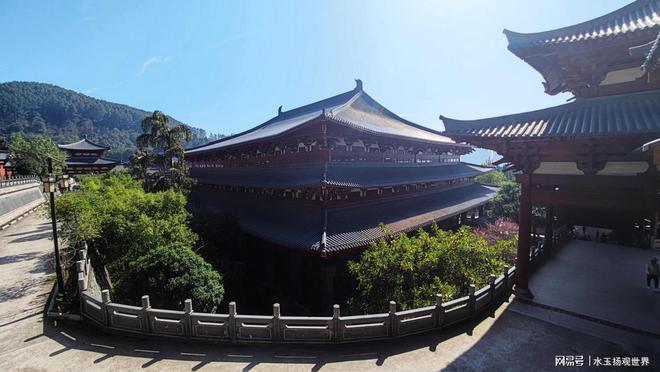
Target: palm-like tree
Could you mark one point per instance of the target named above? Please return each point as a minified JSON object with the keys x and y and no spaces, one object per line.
{"x":159,"y":160}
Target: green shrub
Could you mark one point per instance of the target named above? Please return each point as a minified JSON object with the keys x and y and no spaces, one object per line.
{"x":132,"y":231}
{"x":412,"y":269}
{"x":170,"y":275}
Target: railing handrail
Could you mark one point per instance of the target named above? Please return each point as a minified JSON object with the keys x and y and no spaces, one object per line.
{"x":18,"y":180}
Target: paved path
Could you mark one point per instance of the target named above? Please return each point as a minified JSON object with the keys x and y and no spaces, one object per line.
{"x":605,"y":281}
{"x":516,"y":339}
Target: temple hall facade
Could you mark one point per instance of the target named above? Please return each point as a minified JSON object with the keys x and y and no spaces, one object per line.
{"x":86,"y":157}
{"x":595,"y":160}
{"x":319,"y":180}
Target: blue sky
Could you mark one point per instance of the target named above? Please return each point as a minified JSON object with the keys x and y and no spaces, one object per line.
{"x":226,"y":66}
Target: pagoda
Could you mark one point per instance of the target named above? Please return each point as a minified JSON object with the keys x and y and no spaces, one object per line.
{"x":321,"y":178}
{"x":593,"y":161}
{"x":86,"y":156}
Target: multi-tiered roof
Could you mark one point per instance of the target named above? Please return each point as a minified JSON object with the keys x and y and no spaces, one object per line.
{"x":86,"y":156}
{"x":322,"y":177}
{"x":610,"y":65}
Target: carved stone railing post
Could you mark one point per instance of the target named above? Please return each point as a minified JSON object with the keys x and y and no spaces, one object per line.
{"x":188,"y":309}
{"x":336,"y":323}
{"x":393,"y":326}
{"x":82,"y":277}
{"x":491,"y":284}
{"x":146,"y":306}
{"x":439,"y":311}
{"x":232,"y":321}
{"x":505,"y":283}
{"x":277,"y":328}
{"x":472,"y":299}
{"x":105,"y":300}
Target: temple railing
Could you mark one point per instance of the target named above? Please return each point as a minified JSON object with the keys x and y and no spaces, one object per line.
{"x":18,"y":180}
{"x":96,"y":306}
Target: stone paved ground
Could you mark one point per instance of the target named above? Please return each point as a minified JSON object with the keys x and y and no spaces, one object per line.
{"x":606,"y":281}
{"x":518,"y":338}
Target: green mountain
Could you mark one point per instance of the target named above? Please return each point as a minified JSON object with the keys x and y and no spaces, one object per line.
{"x":67,"y":116}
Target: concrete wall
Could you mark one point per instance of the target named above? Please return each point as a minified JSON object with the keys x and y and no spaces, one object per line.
{"x":17,"y":197}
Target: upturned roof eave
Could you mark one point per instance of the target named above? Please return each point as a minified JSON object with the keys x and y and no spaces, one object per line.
{"x":604,"y":23}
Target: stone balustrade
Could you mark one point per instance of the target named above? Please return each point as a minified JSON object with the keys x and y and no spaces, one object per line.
{"x":96,"y":306}
{"x":18,"y":196}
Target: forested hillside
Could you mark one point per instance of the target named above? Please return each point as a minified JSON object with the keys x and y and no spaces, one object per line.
{"x":67,"y":116}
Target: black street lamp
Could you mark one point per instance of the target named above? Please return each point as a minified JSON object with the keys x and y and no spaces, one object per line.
{"x":49,"y":187}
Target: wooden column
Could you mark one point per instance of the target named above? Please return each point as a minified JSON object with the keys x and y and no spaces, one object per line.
{"x":549,"y":219}
{"x":524,"y":230}
{"x":481,"y":211}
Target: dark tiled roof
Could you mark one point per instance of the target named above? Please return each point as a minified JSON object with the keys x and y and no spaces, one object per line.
{"x":650,"y":53}
{"x":83,"y":145}
{"x":347,"y":227}
{"x":89,"y":160}
{"x":639,"y":16}
{"x":337,"y":174}
{"x":354,"y":108}
{"x":620,"y":115}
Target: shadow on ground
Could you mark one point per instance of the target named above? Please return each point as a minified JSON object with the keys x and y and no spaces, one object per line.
{"x":83,"y":336}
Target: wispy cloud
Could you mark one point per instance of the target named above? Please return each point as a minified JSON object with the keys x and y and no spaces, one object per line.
{"x":152,"y":61}
{"x":424,"y":101}
{"x":232,"y":38}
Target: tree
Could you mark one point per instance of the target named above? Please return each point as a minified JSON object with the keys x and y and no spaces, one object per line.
{"x":501,"y":231}
{"x":29,"y":154}
{"x":495,"y":177}
{"x":507,"y":202}
{"x":121,"y":222}
{"x":412,"y":269}
{"x":144,"y":240}
{"x":159,"y":160}
{"x":170,"y":276}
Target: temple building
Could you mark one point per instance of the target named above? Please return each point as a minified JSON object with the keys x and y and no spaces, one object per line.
{"x":5,"y":164}
{"x":322,"y":177}
{"x":593,"y":161}
{"x":86,"y":156}
{"x":312,"y":186}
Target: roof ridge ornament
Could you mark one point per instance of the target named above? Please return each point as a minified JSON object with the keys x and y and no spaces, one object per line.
{"x":279,"y":110}
{"x":358,"y":85}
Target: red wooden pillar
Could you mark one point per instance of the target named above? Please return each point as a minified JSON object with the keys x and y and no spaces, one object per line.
{"x":524,"y":230}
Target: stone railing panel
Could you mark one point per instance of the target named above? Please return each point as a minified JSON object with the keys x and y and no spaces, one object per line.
{"x":126,"y":317}
{"x":167,"y":322}
{"x":306,"y":329}
{"x":212,"y":326}
{"x":241,"y":328}
{"x":360,"y":327}
{"x":416,"y":320}
{"x":254,"y":328}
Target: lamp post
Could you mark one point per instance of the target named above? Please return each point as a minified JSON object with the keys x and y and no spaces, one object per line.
{"x":49,"y":187}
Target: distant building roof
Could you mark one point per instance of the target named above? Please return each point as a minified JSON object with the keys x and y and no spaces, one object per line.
{"x":346,"y":227}
{"x":83,"y":145}
{"x":88,"y":160}
{"x":4,"y":155}
{"x":354,"y":108}
{"x":336,"y":174}
{"x":621,"y":115}
{"x":638,"y":16}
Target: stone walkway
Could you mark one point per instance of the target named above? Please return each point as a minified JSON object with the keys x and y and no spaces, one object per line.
{"x":517,"y":338}
{"x":604,"y":281}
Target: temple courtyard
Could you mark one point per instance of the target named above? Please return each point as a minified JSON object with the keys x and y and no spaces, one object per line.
{"x":520,"y":336}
